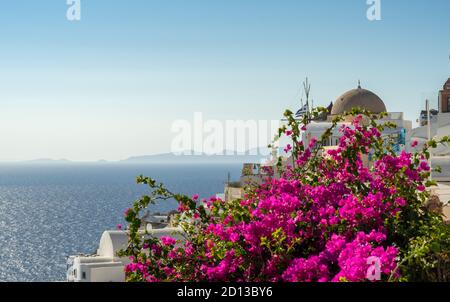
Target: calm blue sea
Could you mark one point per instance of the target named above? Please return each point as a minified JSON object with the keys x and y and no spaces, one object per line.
{"x":48,"y":212}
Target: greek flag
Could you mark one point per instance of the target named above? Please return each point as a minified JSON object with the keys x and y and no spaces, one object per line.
{"x":302,"y":111}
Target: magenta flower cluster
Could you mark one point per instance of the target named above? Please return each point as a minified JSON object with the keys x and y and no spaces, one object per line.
{"x":321,"y":221}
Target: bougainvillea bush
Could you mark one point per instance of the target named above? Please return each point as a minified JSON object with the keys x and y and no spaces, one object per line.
{"x":323,"y":216}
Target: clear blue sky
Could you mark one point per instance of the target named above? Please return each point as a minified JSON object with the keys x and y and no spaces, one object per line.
{"x":110,"y":85}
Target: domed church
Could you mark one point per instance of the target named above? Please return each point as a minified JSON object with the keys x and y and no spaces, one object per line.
{"x":364,"y":99}
{"x":361,"y":98}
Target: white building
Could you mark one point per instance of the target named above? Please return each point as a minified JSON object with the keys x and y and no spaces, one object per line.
{"x":363,"y":99}
{"x":438,"y":128}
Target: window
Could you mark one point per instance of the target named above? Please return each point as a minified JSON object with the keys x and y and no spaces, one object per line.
{"x":448,"y":104}
{"x":83,"y":275}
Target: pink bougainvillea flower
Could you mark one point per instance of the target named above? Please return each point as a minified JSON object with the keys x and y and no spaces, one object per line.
{"x":288,"y":148}
{"x":321,"y":219}
{"x":168,"y":241}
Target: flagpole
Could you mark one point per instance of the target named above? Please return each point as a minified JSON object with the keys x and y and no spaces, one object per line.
{"x":307,"y":88}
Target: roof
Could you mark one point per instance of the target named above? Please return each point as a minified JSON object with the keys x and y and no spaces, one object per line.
{"x":359,"y":97}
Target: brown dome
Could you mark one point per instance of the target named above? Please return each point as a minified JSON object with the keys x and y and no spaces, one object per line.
{"x":359,"y":97}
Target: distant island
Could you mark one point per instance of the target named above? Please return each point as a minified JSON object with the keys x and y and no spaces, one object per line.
{"x":168,"y":158}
